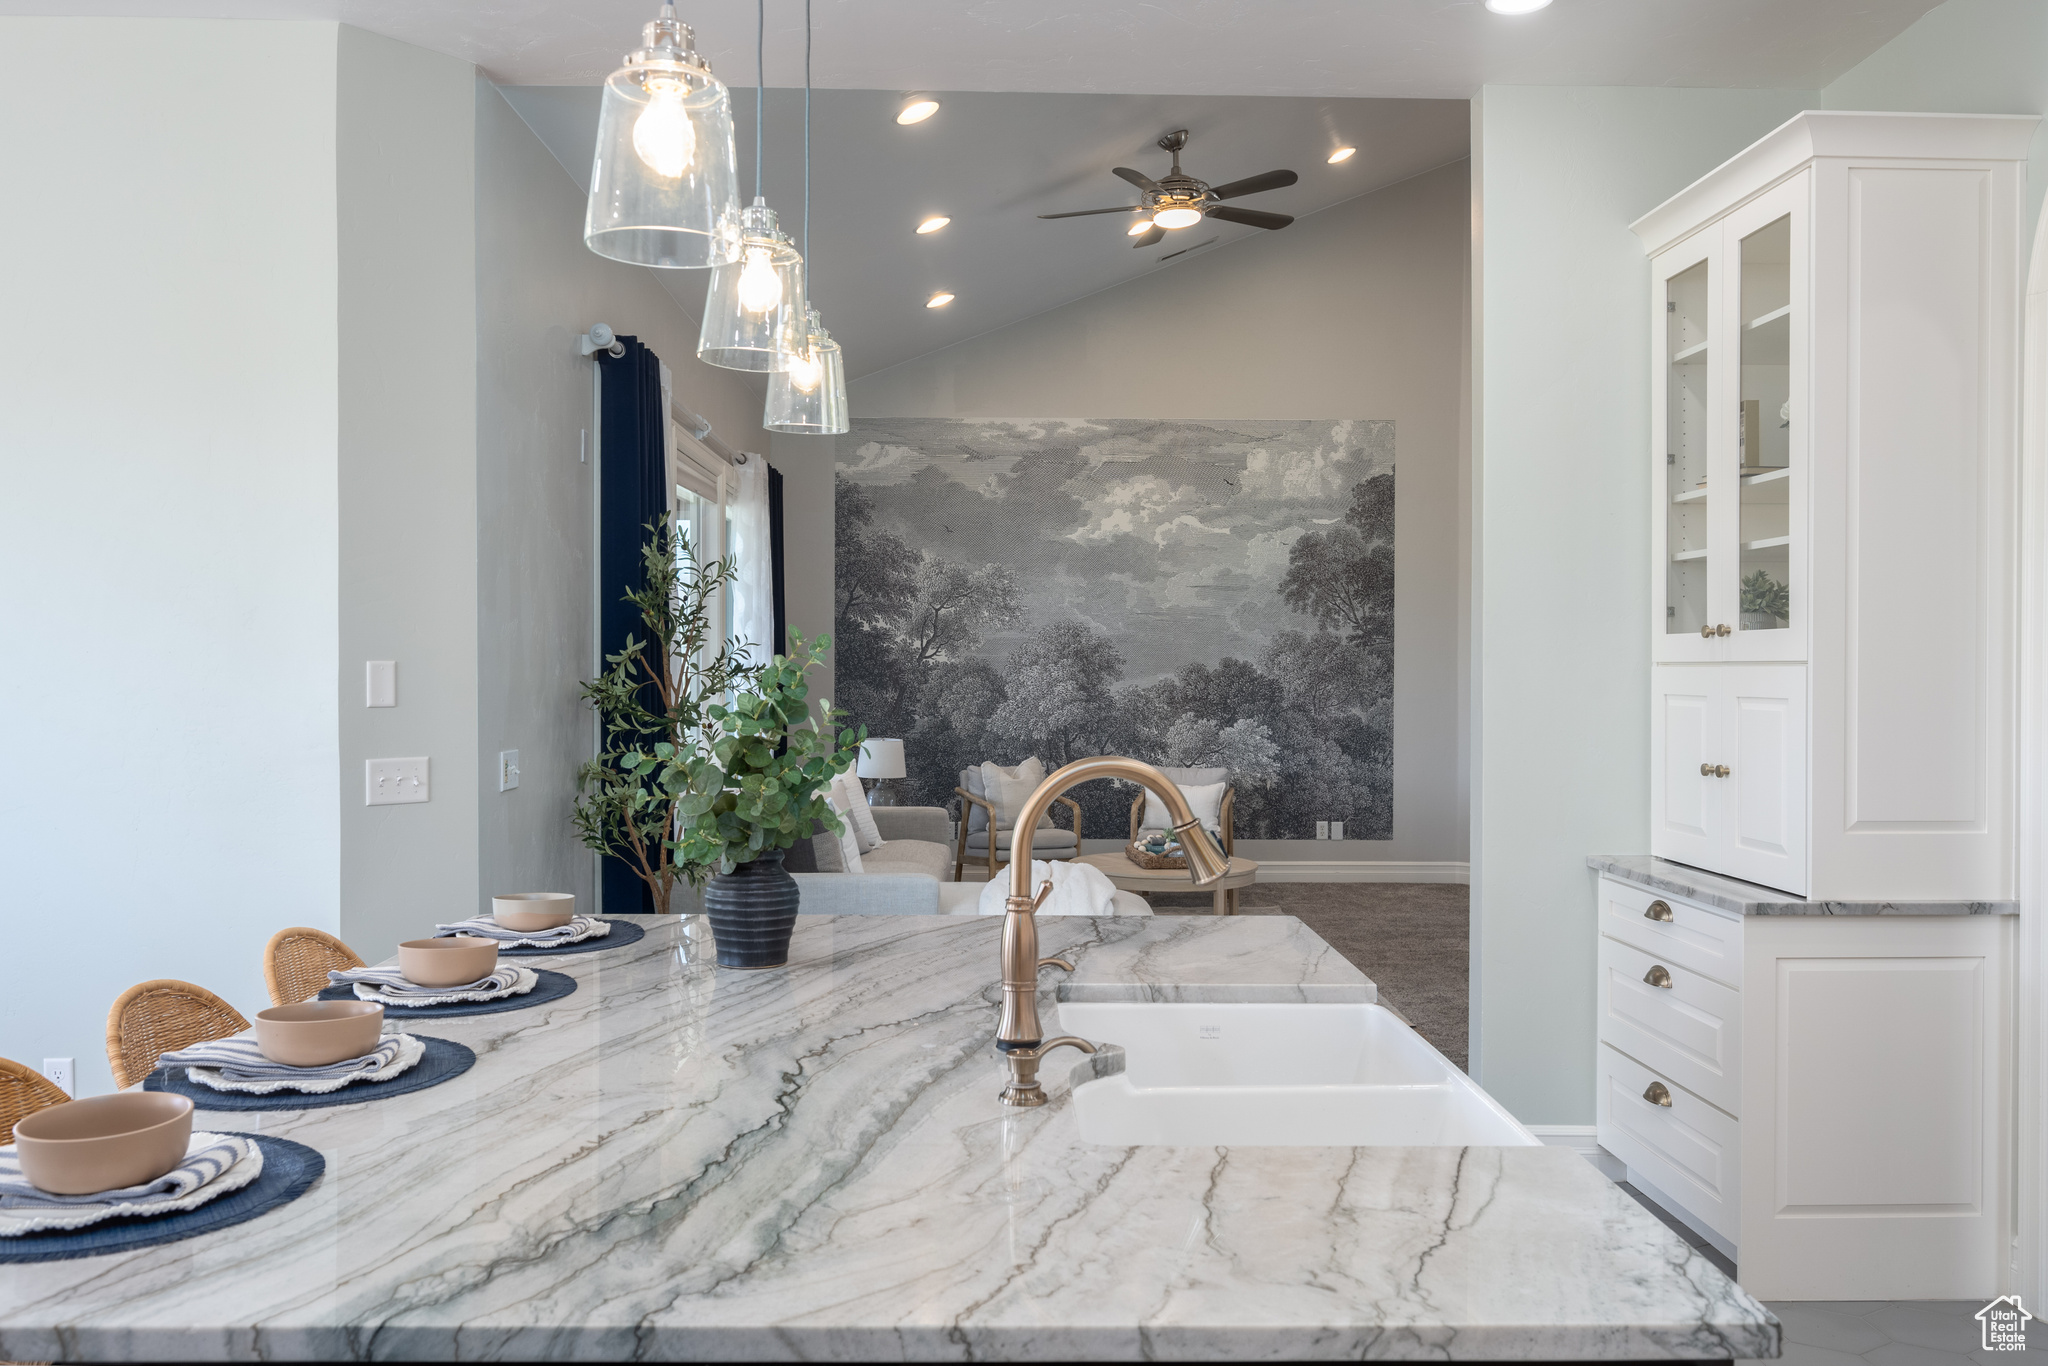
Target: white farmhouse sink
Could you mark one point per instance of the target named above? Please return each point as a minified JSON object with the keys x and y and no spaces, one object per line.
{"x":1349,"y":1075}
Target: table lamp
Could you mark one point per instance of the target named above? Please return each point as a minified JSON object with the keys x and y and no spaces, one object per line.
{"x":881,"y":761}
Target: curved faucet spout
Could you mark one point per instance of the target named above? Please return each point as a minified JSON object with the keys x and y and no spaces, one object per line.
{"x":1020,"y":1035}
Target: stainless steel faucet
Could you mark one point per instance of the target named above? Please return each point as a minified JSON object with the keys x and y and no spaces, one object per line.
{"x":1020,"y":1036}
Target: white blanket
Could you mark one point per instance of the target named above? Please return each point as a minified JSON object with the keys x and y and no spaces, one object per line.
{"x":1077,"y":889}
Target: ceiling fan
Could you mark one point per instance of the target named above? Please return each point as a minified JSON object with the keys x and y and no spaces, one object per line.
{"x":1181,"y":201}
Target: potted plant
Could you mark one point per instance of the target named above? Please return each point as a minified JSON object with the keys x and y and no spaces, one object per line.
{"x":1765,"y":602}
{"x":711,"y":767}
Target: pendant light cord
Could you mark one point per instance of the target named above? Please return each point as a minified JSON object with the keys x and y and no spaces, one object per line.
{"x":807,"y":146}
{"x":760,"y":83}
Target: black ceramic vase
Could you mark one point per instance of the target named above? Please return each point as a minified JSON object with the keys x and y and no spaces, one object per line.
{"x":753,"y":911}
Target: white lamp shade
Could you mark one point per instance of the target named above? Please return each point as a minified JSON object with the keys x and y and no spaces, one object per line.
{"x":664,"y":190}
{"x":880,"y":759}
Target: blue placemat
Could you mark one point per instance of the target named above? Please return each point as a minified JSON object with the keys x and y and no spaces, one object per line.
{"x":553,"y":986}
{"x":289,"y":1170}
{"x":624,"y":932}
{"x":443,"y":1059}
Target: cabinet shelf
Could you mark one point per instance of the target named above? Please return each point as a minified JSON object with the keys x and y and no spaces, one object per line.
{"x":1764,"y":319}
{"x":1768,"y":476}
{"x":1697,"y":351}
{"x":1767,"y":543}
{"x":1681,"y":556}
{"x":1689,"y":496}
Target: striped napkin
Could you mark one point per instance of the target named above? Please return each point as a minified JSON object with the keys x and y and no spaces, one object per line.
{"x":578,"y":929}
{"x":214,"y":1165}
{"x":239,"y":1065}
{"x":389,"y":986}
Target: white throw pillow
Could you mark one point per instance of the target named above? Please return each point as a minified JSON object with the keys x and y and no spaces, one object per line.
{"x":864,"y":828}
{"x":849,"y":843}
{"x":1077,"y":889}
{"x":1008,"y":789}
{"x":1206,"y":802}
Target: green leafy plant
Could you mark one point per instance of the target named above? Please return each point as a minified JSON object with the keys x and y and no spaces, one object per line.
{"x":1762,"y":593}
{"x":654,"y":702}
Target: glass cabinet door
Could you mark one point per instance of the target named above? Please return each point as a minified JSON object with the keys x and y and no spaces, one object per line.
{"x":1689,"y":433}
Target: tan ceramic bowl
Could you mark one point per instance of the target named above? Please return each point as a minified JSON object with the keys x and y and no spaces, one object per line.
{"x":319,"y":1032}
{"x":103,"y":1143}
{"x":531,"y":911}
{"x":452,"y":962}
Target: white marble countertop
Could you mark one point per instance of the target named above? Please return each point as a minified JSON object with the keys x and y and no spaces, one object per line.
{"x":1747,"y":898}
{"x":679,"y":1161}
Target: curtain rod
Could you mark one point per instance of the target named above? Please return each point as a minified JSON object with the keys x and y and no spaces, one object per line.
{"x":602,"y":338}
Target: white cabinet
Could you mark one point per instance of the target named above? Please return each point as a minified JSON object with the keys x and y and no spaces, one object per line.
{"x":1729,"y":770}
{"x":1834,"y":335}
{"x":1826,"y":1097}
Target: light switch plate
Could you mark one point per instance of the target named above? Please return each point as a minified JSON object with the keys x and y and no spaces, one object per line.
{"x":508,"y":769}
{"x":1336,"y":830}
{"x":395,"y":782}
{"x":380,"y":683}
{"x":63,"y":1074}
{"x":1322,"y":830}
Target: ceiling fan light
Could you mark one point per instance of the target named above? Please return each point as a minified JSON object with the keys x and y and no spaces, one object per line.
{"x":1139,"y":228}
{"x":932,"y":224}
{"x":1516,"y":6}
{"x":939,"y":300}
{"x":917,"y":111}
{"x":1176,"y":218}
{"x":1342,"y":154}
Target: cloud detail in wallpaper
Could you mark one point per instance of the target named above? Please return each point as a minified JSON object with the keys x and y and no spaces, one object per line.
{"x":1191,"y":593}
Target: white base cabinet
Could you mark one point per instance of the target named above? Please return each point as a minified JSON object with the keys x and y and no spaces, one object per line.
{"x":1827,"y":1097}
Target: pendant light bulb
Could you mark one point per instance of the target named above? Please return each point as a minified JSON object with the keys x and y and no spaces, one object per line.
{"x":805,"y":372}
{"x":760,"y":284}
{"x":662,"y":136}
{"x":809,"y":397}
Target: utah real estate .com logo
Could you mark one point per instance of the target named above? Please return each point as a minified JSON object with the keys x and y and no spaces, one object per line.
{"x":2005,"y":1322}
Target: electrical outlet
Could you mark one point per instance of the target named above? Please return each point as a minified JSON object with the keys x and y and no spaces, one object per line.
{"x":1336,"y":830}
{"x":508,"y":769}
{"x":380,"y":682}
{"x":1322,"y":830}
{"x":394,"y":782}
{"x":63,"y":1074}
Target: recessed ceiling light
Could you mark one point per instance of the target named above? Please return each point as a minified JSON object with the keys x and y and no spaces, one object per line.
{"x":1516,"y":6}
{"x":917,"y":111}
{"x":933,"y":224}
{"x":1176,"y":218}
{"x":939,"y":300}
{"x":1342,"y":154}
{"x":1143,"y":225}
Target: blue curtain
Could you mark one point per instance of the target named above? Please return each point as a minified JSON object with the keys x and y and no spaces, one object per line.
{"x":632,"y":492}
{"x":781,"y":641}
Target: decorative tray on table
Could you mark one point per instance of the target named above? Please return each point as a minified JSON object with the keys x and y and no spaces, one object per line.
{"x":1145,"y":858}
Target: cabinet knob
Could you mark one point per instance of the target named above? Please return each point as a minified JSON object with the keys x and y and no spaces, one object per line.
{"x":1709,"y":632}
{"x":1723,"y":629}
{"x":1658,"y":911}
{"x":1714,"y":770}
{"x":1658,"y":976}
{"x":1658,"y":1094}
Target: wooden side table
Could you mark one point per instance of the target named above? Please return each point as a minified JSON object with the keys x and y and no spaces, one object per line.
{"x":1127,"y":876}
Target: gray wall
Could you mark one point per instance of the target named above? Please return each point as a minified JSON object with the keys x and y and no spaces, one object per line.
{"x":1561,"y":650}
{"x":1356,"y":311}
{"x":405,"y":191}
{"x":538,"y":288}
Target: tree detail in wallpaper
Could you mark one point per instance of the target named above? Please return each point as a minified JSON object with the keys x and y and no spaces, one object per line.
{"x":1191,"y":593}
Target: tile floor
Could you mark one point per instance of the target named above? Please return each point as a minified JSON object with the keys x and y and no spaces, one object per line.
{"x":1890,"y":1333}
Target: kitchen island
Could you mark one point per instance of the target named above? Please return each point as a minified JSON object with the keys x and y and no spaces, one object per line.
{"x":684,"y":1162}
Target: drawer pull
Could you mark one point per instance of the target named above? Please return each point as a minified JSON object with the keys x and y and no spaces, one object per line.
{"x":1658,"y":1094}
{"x":1658,"y":911}
{"x":1658,"y":977}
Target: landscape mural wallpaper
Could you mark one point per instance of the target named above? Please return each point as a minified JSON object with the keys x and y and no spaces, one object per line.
{"x":1190,"y":593}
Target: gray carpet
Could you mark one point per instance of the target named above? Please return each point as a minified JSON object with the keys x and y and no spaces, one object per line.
{"x":1409,"y":937}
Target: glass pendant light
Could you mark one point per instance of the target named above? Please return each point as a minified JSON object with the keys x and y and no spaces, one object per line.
{"x":664,"y":186}
{"x":809,"y":397}
{"x":754,"y":309}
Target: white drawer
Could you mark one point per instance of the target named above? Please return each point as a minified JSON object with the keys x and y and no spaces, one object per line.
{"x":1689,"y":1030}
{"x":1708,"y":942}
{"x":1689,"y":1150}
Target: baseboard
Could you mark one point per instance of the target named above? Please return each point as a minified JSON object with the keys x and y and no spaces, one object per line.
{"x":1584,"y":1140}
{"x":1360,"y":870}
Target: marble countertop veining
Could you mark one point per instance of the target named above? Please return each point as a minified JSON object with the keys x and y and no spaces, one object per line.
{"x":683,"y":1162}
{"x":1748,"y":898}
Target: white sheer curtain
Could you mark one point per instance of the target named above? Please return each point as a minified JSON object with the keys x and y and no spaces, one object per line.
{"x":753,"y":616}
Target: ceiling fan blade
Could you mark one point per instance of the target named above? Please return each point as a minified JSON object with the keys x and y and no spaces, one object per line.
{"x":1251,"y":218}
{"x":1083,"y":213}
{"x":1138,"y":178}
{"x":1252,"y":184}
{"x":1150,"y":236}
